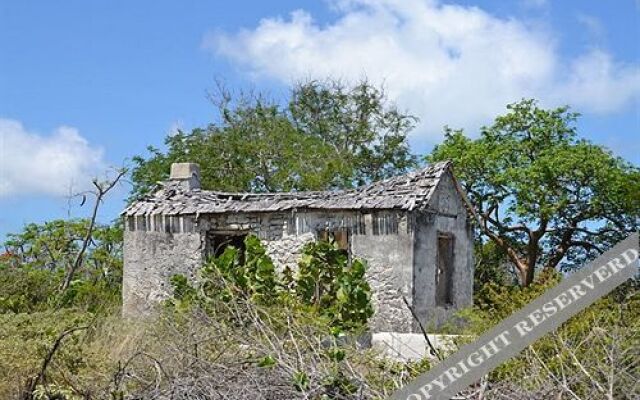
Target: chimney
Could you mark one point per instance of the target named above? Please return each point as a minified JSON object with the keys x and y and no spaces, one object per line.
{"x":186,"y":174}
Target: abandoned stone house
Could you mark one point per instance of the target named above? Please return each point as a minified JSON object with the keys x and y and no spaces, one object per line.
{"x":412,"y":230}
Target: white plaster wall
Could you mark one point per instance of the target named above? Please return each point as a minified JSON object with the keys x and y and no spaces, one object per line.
{"x":412,"y":346}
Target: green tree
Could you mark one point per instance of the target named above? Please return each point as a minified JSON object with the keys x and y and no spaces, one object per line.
{"x":325,"y":136}
{"x":36,"y":263}
{"x":544,"y":196}
{"x":53,"y":245}
{"x":367,"y":134}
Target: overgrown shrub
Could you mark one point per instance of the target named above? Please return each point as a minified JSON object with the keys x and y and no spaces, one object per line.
{"x":29,"y":289}
{"x":326,"y":284}
{"x":25,"y":339}
{"x":334,"y":287}
{"x":594,"y":355}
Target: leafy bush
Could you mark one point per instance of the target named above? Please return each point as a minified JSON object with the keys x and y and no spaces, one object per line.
{"x":27,"y":289}
{"x":227,"y":276}
{"x":326,"y":284}
{"x":333,"y":286}
{"x":26,"y":338}
{"x":92,"y":295}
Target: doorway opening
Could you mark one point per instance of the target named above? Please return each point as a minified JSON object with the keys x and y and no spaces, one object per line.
{"x":219,"y":241}
{"x":444,"y":270}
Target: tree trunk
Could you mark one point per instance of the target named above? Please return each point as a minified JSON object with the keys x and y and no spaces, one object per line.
{"x":526,"y":275}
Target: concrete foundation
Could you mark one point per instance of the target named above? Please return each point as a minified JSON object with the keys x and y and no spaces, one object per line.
{"x":412,"y":346}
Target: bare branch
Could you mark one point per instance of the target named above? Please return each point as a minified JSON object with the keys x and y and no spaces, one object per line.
{"x":101,"y":190}
{"x":31,"y":386}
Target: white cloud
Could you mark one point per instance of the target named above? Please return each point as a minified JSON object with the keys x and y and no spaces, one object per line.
{"x":448,"y":64}
{"x":596,"y":82}
{"x":31,"y":163}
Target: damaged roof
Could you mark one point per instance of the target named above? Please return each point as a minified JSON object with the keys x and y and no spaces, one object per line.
{"x":406,"y":192}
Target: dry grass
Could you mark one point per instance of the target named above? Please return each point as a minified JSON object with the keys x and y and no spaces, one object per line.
{"x":248,"y":352}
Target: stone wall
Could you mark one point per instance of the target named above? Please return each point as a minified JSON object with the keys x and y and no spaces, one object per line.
{"x":450,"y":217}
{"x":150,"y":259}
{"x":389,"y":253}
{"x":272,"y":229}
{"x":284,"y":234}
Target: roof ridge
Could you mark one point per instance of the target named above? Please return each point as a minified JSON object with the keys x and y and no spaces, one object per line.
{"x":409,"y":191}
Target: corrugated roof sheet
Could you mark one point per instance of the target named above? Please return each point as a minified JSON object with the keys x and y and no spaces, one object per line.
{"x":406,"y":192}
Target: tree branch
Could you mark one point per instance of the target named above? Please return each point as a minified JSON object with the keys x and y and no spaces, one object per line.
{"x":424,"y":332}
{"x":101,"y":191}
{"x":33,"y":383}
{"x":520,"y":264}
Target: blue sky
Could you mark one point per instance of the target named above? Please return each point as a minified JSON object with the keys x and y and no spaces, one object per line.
{"x":87,"y":85}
